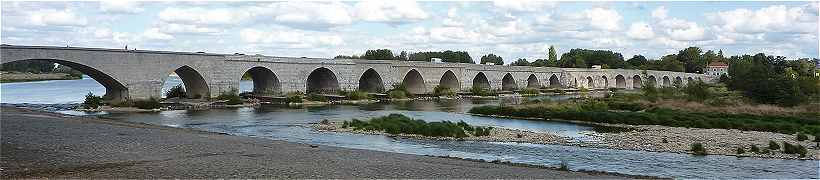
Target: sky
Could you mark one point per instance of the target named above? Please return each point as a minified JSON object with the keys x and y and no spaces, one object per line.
{"x":511,"y":29}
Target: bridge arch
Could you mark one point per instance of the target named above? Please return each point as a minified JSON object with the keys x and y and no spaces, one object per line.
{"x":322,"y":80}
{"x":195,"y":85}
{"x":652,"y":81}
{"x":371,"y":81}
{"x":450,"y":81}
{"x":115,"y":90}
{"x":264,"y":80}
{"x":606,"y":81}
{"x":620,"y":81}
{"x":636,"y":82}
{"x":666,"y":82}
{"x":678,"y":81}
{"x":414,"y":82}
{"x":554,"y":82}
{"x":532,"y":82}
{"x":508,"y":83}
{"x":480,"y":81}
{"x":590,"y":82}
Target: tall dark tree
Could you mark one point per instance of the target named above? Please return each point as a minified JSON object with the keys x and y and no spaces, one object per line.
{"x":584,"y":58}
{"x":692,"y":59}
{"x":445,"y":56}
{"x":552,"y":56}
{"x":402,"y":56}
{"x":492,"y":58}
{"x":637,"y":61}
{"x":520,"y":62}
{"x":378,"y":54}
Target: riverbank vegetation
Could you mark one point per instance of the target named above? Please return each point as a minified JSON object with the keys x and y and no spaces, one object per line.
{"x":400,"y":124}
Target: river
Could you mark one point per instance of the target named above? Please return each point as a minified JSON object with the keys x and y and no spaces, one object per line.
{"x":285,"y":123}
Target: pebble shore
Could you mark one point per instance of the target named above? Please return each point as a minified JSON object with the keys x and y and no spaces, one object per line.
{"x":641,"y":138}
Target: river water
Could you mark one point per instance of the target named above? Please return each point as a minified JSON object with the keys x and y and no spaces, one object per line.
{"x":285,"y":123}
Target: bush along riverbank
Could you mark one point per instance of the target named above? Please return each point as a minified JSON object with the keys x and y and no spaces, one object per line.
{"x":678,"y":119}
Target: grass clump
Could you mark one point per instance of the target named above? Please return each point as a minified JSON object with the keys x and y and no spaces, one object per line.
{"x":802,"y":137}
{"x":697,"y":149}
{"x":754,"y":149}
{"x":482,"y":92}
{"x":773,"y":145}
{"x":529,"y":91}
{"x":740,"y":150}
{"x":92,"y":101}
{"x":151,"y":103}
{"x":355,"y":95}
{"x":794,"y":149}
{"x":316,"y":97}
{"x":294,"y":97}
{"x":231,"y":97}
{"x":443,"y":91}
{"x":398,"y":92}
{"x":400,"y":124}
{"x":176,"y":91}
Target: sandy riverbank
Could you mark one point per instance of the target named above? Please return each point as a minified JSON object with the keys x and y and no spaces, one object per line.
{"x":640,"y":138}
{"x":39,"y":144}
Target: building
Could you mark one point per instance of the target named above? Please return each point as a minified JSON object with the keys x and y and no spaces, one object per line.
{"x":717,"y":69}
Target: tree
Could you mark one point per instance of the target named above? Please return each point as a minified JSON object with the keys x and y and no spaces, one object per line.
{"x":378,"y":54}
{"x":692,"y":59}
{"x":583,"y":58}
{"x":552,"y":55}
{"x":773,"y":79}
{"x":445,"y":56}
{"x":492,"y":58}
{"x":402,"y":56}
{"x":520,"y":62}
{"x":637,"y":61}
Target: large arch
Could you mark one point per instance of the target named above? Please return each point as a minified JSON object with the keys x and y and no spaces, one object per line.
{"x":590,"y":82}
{"x":666,"y":81}
{"x":532,"y":82}
{"x":322,"y":80}
{"x":636,"y":82}
{"x":450,"y":81}
{"x":264,"y":80}
{"x":414,"y":82}
{"x":554,"y":82}
{"x":620,"y":81}
{"x":508,"y":83}
{"x":678,"y":81}
{"x":480,"y":81}
{"x":195,"y":85}
{"x":652,"y":81}
{"x":115,"y":91}
{"x":606,"y":81}
{"x":371,"y":81}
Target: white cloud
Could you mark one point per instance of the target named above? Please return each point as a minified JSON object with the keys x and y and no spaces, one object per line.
{"x":776,"y":18}
{"x":289,"y":38}
{"x":692,"y":32}
{"x":51,"y":17}
{"x":523,"y":5}
{"x":390,"y":11}
{"x":203,"y":16}
{"x":640,"y":30}
{"x":307,"y":15}
{"x":123,"y":6}
{"x":660,"y":13}
{"x":453,"y":18}
{"x":154,"y":33}
{"x":603,"y":19}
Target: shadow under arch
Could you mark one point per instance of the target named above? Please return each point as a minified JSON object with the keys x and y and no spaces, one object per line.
{"x":532,"y":82}
{"x":620,"y":81}
{"x":371,"y":81}
{"x":264,"y":80}
{"x":590,"y":82}
{"x":115,"y":91}
{"x":554,"y":82}
{"x":450,"y":81}
{"x":637,"y":83}
{"x":322,"y":80}
{"x":508,"y":83}
{"x":414,"y":82}
{"x":606,"y":81}
{"x":480,"y":81}
{"x":195,"y":85}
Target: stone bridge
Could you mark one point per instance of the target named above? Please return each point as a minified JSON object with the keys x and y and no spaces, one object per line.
{"x":140,"y":74}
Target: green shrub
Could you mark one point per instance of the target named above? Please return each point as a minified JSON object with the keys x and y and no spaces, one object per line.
{"x":294,"y":97}
{"x":529,"y":91}
{"x":802,"y":137}
{"x":698,"y":149}
{"x":560,"y":91}
{"x":697,"y":91}
{"x":92,"y":101}
{"x":817,"y":137}
{"x":563,"y":166}
{"x":754,"y":149}
{"x":443,"y":91}
{"x":482,"y":92}
{"x":316,"y":97}
{"x":740,"y":150}
{"x":176,"y":91}
{"x":356,"y":95}
{"x":583,"y":89}
{"x":773,"y":145}
{"x":231,"y":96}
{"x":151,"y":103}
{"x":398,"y":124}
{"x":397,"y":94}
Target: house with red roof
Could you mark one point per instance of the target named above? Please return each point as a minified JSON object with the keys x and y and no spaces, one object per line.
{"x":716,"y":69}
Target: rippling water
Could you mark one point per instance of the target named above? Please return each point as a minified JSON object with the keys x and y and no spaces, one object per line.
{"x":283,"y":123}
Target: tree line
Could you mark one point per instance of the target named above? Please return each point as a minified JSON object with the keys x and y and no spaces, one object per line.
{"x":386,"y":54}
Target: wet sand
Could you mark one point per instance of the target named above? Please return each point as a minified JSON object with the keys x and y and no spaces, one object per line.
{"x":39,"y":144}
